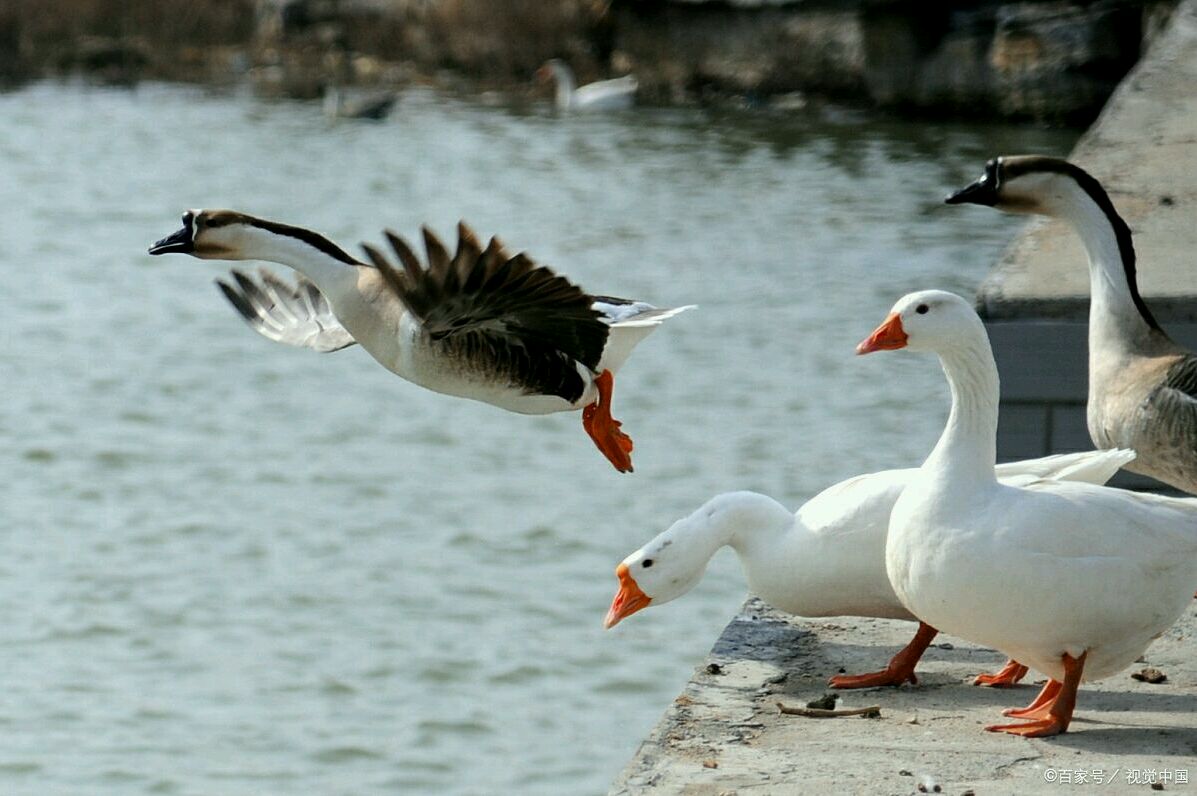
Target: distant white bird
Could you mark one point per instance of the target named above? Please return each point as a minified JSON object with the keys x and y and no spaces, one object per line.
{"x":1071,"y":579}
{"x":479,"y":324}
{"x":828,"y":559}
{"x":605,"y":95}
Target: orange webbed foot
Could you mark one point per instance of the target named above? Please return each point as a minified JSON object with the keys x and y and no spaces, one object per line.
{"x":1051,"y":712}
{"x":900,"y":669}
{"x":1005,"y":677}
{"x":1040,"y":707}
{"x":604,"y":429}
{"x":1039,"y":728}
{"x":884,"y":677}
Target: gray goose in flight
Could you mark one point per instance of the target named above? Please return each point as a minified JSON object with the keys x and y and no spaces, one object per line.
{"x":479,"y":323}
{"x":1142,"y":385}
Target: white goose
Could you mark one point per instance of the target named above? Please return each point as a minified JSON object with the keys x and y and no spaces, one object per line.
{"x":1072,"y":579}
{"x":604,"y":95}
{"x":828,"y":559}
{"x":1142,"y":385}
{"x":479,"y":324}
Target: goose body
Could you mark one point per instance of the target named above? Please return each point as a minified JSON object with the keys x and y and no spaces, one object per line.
{"x":828,"y":559}
{"x":1142,"y":385}
{"x":1072,"y":579}
{"x":604,"y":95}
{"x":478,"y":324}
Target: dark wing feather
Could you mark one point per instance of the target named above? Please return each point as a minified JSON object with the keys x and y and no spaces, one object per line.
{"x":507,"y":315}
{"x":297,"y":315}
{"x":1174,"y":404}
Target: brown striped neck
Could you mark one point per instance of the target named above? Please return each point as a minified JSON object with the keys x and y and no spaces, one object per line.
{"x":209,"y":221}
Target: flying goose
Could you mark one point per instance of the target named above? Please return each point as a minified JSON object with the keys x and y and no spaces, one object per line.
{"x":1071,"y":579}
{"x":479,"y":324}
{"x":605,"y":95}
{"x":1142,"y":385}
{"x":828,"y":559}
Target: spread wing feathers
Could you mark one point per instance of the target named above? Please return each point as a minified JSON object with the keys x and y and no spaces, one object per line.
{"x":297,"y":315}
{"x":506,"y":305}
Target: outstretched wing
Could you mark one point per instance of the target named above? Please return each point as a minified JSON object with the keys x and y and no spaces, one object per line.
{"x":507,"y":317}
{"x":297,"y":315}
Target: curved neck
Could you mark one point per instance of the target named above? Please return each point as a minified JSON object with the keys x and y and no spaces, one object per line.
{"x":565,"y":86}
{"x":307,"y":252}
{"x":748,"y":522}
{"x":1118,"y":317}
{"x":966,"y":451}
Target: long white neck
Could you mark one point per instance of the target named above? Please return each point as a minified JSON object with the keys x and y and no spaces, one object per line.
{"x":966,"y":451}
{"x":326,"y":271}
{"x":565,"y":85}
{"x":1117,"y":325}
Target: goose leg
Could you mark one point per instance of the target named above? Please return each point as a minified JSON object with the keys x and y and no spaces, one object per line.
{"x":1007,"y":676}
{"x":900,"y":668}
{"x":604,"y":429}
{"x":1039,"y":707}
{"x":1053,"y":717}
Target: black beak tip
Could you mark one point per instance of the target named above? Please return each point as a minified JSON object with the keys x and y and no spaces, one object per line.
{"x":977,"y":193}
{"x":178,"y":242}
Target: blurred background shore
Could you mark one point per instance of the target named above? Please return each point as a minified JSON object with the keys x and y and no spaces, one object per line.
{"x":1044,"y":60}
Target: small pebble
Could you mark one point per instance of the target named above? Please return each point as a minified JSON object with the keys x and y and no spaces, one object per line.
{"x":1157,"y":786}
{"x":946,"y":646}
{"x":1149,"y":675}
{"x":969,"y":792}
{"x":714,"y":668}
{"x":1167,"y":201}
{"x":825,"y":702}
{"x":710,"y":764}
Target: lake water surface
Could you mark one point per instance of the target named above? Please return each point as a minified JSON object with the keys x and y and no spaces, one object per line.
{"x":232,"y":567}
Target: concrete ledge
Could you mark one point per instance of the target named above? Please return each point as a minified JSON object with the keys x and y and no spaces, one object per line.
{"x":723,"y":735}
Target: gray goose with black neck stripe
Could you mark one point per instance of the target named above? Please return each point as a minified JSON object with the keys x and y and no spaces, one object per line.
{"x":1142,"y":385}
{"x":478,"y":323}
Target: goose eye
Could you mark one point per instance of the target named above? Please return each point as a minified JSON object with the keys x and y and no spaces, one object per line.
{"x":648,"y":562}
{"x":921,"y":309}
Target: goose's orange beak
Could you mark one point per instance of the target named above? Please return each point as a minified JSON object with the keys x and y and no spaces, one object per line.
{"x":628,"y":601}
{"x":886,"y":337}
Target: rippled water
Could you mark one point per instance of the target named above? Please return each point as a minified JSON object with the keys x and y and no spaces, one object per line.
{"x":233,"y":567}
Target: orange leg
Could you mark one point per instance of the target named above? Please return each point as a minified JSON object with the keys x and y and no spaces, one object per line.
{"x":1052,"y":717}
{"x":604,"y":429}
{"x":1039,"y":708}
{"x":900,"y":668}
{"x":1009,"y":674}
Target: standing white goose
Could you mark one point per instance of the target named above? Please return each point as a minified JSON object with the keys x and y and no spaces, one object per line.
{"x":480,"y":324}
{"x":828,"y":559}
{"x":1142,"y":385}
{"x":1072,"y":579}
{"x":604,"y":95}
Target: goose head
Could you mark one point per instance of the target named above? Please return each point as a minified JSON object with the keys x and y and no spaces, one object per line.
{"x":674,"y":562}
{"x":232,"y":235}
{"x":1027,"y":184}
{"x":209,"y":235}
{"x":929,"y":320}
{"x":554,"y":69}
